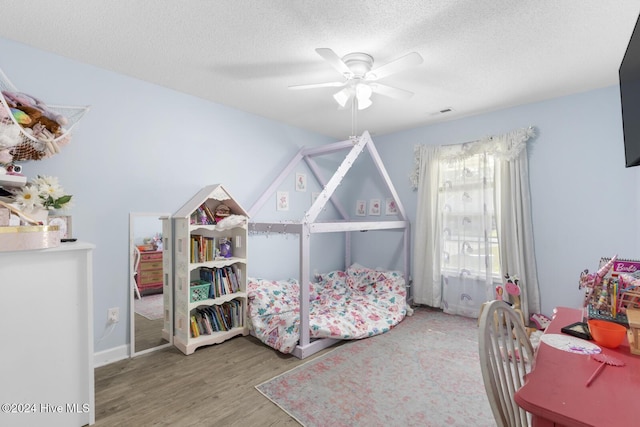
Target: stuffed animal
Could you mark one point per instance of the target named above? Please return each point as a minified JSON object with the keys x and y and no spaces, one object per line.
{"x":9,"y":135}
{"x":5,"y":156}
{"x":29,"y":112}
{"x":20,"y":98}
{"x":222,"y":211}
{"x":512,"y":285}
{"x":22,"y":118}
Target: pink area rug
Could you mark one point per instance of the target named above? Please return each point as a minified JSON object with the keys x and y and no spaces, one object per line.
{"x":424,"y":372}
{"x":150,"y":306}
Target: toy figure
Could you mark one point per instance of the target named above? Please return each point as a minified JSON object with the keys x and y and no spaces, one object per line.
{"x":512,"y":286}
{"x":594,"y":281}
{"x":222,"y":211}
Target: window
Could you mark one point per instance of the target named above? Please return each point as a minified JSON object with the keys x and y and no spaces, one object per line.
{"x":469,"y":240}
{"x":473,"y":223}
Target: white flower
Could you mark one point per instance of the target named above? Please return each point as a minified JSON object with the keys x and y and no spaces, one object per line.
{"x":43,"y":192}
{"x":29,"y":198}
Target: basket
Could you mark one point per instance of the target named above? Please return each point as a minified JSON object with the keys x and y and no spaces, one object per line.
{"x":199,"y":290}
{"x":594,"y":313}
{"x":35,"y":143}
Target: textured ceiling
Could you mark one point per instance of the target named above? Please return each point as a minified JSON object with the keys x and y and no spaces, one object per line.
{"x":479,"y":55}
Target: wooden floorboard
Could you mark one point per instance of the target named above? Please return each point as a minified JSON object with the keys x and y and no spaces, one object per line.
{"x":215,"y":386}
{"x":148,"y":333}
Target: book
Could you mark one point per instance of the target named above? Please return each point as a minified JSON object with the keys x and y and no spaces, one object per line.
{"x":219,"y":283}
{"x":210,"y":216}
{"x":206,"y":322}
{"x":226,"y":281}
{"x":215,"y":325}
{"x":194,"y":327}
{"x":234,"y":278}
{"x":199,"y":322}
{"x":221,"y":319}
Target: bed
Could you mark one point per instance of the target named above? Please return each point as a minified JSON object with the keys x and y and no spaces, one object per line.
{"x":350,"y":304}
{"x":346,"y":305}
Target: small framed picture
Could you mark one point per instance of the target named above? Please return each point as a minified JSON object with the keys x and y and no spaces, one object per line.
{"x":391,"y":208}
{"x":282,"y":201}
{"x":361,"y":208}
{"x":64,"y":225}
{"x":301,"y":182}
{"x":374,"y":207}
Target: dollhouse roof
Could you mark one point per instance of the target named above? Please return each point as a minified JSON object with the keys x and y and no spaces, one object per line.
{"x":210,"y":192}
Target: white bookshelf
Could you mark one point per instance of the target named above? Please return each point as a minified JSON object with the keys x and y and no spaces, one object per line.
{"x":188,"y":270}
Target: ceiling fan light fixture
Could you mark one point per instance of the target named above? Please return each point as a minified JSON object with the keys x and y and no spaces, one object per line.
{"x":365,"y":103}
{"x":342,"y":97}
{"x":363,"y":94}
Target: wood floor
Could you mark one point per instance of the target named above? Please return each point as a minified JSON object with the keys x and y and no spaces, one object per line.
{"x":148,"y":333}
{"x":212,"y":387}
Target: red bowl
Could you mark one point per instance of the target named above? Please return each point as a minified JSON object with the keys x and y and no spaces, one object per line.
{"x":607,"y":334}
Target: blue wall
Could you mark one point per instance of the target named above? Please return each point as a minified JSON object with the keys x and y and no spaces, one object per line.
{"x":584,"y":201}
{"x":143,"y":148}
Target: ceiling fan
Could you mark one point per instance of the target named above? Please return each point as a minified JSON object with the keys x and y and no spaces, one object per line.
{"x":361,"y":79}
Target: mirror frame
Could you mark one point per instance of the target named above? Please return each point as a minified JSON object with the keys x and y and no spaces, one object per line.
{"x":132,"y":325}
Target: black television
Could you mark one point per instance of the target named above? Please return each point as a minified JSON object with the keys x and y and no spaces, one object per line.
{"x":629,"y":74}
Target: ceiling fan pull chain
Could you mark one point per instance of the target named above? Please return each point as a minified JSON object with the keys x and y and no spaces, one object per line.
{"x":354,"y":114}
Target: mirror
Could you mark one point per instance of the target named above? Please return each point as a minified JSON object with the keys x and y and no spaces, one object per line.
{"x":151,"y":299}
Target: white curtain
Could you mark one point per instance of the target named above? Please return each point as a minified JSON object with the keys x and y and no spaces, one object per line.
{"x":473,"y":224}
{"x":515,"y":226}
{"x":426,"y":260}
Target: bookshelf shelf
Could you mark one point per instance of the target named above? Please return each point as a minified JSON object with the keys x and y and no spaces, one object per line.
{"x":195,"y":228}
{"x":217,"y":301}
{"x":199,"y":247}
{"x":215,"y":338}
{"x":12,"y":180}
{"x":217,"y":263}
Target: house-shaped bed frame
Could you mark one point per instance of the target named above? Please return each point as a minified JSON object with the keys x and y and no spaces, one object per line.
{"x":309,"y":225}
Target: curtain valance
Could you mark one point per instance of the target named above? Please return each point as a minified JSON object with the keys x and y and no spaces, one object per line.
{"x":504,"y":147}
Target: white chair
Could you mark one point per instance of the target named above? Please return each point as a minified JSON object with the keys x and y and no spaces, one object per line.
{"x":506,"y":355}
{"x":134,"y":272}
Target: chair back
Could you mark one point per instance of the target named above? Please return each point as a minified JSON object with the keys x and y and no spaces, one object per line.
{"x":136,"y":260}
{"x":506,"y":355}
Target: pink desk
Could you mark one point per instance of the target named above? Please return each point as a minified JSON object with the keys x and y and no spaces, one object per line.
{"x":555,"y":392}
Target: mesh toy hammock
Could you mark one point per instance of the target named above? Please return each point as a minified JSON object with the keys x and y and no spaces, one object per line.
{"x":29,"y":142}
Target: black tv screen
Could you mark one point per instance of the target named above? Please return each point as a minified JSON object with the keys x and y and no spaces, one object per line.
{"x":629,"y":74}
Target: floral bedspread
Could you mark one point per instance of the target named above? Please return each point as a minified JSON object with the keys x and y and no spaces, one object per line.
{"x":353,"y":304}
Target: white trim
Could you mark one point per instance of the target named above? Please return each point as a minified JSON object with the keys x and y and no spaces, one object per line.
{"x":110,"y":355}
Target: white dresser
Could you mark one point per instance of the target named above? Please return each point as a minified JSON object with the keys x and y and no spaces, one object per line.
{"x":46,"y":331}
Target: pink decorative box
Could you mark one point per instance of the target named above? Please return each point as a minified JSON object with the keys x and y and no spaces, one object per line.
{"x":29,"y":237}
{"x":4,"y":217}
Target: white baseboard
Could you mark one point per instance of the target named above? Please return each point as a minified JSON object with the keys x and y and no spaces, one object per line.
{"x":110,"y":356}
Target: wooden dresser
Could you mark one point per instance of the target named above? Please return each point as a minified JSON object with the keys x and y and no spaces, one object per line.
{"x":149,"y":275}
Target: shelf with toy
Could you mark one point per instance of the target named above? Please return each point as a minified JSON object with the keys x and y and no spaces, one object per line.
{"x":209,"y":277}
{"x":7,"y":180}
{"x":31,"y":129}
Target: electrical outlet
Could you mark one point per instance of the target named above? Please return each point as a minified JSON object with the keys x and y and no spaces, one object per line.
{"x":113,"y":315}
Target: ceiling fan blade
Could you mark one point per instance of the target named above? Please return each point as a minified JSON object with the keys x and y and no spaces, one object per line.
{"x":409,"y":60}
{"x":391,"y":92}
{"x":335,"y":61}
{"x":317,"y":85}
